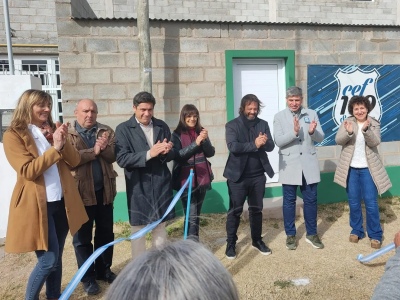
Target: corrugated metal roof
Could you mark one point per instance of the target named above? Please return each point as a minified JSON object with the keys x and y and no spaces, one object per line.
{"x":239,"y":22}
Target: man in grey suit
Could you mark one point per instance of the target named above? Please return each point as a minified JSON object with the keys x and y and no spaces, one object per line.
{"x":296,"y":129}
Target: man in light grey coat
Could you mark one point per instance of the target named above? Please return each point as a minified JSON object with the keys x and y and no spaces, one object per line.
{"x":296,"y":129}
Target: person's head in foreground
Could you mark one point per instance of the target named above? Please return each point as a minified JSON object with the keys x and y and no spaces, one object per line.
{"x":178,"y":271}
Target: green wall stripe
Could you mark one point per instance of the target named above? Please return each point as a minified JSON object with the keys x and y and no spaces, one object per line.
{"x":120,"y":207}
{"x":217,"y":199}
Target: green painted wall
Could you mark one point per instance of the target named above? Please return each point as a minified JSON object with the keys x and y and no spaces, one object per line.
{"x":217,"y":200}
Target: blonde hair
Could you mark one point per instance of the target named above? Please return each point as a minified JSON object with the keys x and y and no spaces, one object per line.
{"x":22,"y":115}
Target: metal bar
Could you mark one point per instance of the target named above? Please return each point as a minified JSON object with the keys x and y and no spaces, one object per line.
{"x":1,"y":125}
{"x":32,"y":45}
{"x":8,"y":37}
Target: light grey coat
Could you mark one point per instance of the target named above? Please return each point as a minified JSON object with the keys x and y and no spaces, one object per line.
{"x":297,"y":155}
{"x":372,"y":139}
{"x":388,"y":288}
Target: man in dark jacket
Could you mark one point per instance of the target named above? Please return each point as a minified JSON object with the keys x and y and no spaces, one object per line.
{"x":143,"y":149}
{"x":247,"y":138}
{"x":95,"y":178}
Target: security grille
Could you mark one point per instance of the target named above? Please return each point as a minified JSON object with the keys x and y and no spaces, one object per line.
{"x":47,"y":69}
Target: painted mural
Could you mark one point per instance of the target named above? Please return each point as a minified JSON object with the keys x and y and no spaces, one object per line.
{"x":330,"y":87}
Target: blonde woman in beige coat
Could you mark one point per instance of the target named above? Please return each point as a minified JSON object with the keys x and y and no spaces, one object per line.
{"x":45,"y":202}
{"x":360,"y":169}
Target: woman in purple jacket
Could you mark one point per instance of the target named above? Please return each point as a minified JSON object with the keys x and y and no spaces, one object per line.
{"x":192,"y":146}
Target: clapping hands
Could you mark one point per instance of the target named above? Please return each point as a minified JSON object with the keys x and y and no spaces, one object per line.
{"x":60,"y":135}
{"x":366,"y":125}
{"x":312,"y":127}
{"x":101,"y":143}
{"x":202,"y":137}
{"x":348,"y":125}
{"x":296,"y":126}
{"x":261,"y":140}
{"x":161,"y":148}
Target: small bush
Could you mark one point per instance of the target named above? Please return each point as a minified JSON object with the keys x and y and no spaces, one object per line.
{"x":124,"y":230}
{"x":283,"y":283}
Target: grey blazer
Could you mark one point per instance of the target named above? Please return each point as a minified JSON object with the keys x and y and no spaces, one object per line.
{"x":297,"y":155}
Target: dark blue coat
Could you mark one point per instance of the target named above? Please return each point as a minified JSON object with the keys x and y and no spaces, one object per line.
{"x":148,"y":184}
{"x":239,"y":146}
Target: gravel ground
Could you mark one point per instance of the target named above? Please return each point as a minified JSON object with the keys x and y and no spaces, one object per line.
{"x":306,"y":273}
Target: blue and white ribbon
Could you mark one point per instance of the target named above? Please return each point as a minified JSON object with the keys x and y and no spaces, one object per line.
{"x":82,"y":270}
{"x":188,"y":204}
{"x":373,"y":255}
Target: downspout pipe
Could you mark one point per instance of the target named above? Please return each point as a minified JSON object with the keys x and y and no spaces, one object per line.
{"x":8,"y":37}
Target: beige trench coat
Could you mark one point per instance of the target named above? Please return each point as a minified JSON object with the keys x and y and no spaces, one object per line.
{"x":27,"y":223}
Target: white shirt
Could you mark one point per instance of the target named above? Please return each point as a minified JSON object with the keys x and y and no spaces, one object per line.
{"x":51,"y":175}
{"x":359,"y":159}
{"x":148,"y":132}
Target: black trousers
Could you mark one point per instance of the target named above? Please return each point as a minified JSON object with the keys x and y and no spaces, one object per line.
{"x":102,"y":216}
{"x":252,"y":189}
{"x":196,"y":202}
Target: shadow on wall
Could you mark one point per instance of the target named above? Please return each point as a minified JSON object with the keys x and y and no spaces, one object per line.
{"x":169,"y":47}
{"x":82,"y":9}
{"x":328,"y":191}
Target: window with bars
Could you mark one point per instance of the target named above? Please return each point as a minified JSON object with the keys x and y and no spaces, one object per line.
{"x":47,"y":69}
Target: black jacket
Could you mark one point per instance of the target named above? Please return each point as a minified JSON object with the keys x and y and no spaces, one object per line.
{"x":237,"y":136}
{"x":182,"y":155}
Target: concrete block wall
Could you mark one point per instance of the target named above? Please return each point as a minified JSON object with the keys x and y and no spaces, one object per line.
{"x":319,"y":11}
{"x":99,"y":60}
{"x":31,"y":21}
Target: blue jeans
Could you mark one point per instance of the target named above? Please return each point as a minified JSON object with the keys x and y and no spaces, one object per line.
{"x":360,"y":186}
{"x":49,"y":266}
{"x":309,"y":192}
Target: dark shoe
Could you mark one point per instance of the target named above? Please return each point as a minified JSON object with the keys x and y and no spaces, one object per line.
{"x":108,"y":276}
{"x":260,"y":246}
{"x":291,"y":242}
{"x":230,"y":251}
{"x":314,"y":241}
{"x":91,"y":287}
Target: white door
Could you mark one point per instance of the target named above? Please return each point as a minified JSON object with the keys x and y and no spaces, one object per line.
{"x":264,"y":78}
